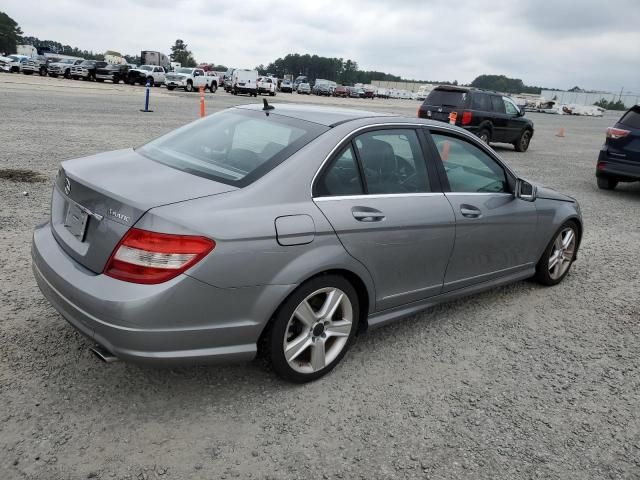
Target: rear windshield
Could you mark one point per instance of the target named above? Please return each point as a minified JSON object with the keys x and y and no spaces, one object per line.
{"x":235,"y":147}
{"x":631,"y":118}
{"x":446,"y":98}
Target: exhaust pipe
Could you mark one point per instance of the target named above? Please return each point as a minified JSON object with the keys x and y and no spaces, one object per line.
{"x":104,"y":354}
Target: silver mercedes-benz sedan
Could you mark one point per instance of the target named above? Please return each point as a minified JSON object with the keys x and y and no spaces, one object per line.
{"x":287,"y":230}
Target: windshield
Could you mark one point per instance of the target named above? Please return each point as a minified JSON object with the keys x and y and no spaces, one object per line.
{"x":233,"y":146}
{"x":188,"y":71}
{"x":446,"y":98}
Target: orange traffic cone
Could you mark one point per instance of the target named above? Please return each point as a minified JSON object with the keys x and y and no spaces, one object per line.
{"x":560,"y":133}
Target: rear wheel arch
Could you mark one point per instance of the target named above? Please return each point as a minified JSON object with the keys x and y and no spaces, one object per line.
{"x":364,"y":298}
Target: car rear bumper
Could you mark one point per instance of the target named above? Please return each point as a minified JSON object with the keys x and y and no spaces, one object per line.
{"x":182,"y":321}
{"x":622,"y":169}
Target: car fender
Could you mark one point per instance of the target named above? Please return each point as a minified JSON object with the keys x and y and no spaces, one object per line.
{"x":552,"y":214}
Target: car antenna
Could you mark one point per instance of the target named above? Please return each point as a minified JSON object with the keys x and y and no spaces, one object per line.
{"x":267,"y":107}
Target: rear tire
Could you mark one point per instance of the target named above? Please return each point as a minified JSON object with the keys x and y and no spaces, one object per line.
{"x":559,"y":255}
{"x":188,"y":87}
{"x":607,"y":183}
{"x":522,"y":144}
{"x":213,"y":87}
{"x":319,"y":340}
{"x":485,"y":135}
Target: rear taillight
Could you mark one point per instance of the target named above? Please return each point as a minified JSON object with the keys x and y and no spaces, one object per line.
{"x":150,"y":257}
{"x":466,"y":118}
{"x":616,"y":133}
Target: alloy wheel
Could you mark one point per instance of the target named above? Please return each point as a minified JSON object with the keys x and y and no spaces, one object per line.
{"x":562,"y":253}
{"x":318,"y":330}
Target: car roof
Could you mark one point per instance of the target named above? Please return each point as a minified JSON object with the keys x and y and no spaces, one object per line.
{"x":328,"y":116}
{"x":456,"y":88}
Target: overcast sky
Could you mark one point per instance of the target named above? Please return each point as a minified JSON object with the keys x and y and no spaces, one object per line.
{"x":562,"y":43}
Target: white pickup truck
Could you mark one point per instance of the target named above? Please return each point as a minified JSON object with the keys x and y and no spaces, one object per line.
{"x":191,"y":79}
{"x":151,"y":74}
{"x":267,"y":85}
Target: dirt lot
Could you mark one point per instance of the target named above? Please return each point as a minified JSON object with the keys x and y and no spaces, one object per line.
{"x":519,"y":382}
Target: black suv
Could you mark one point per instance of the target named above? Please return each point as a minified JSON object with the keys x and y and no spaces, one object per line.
{"x":619,"y":159}
{"x":115,"y":73}
{"x":491,"y":116}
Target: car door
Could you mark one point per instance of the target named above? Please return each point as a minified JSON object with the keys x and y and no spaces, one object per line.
{"x":199,"y":79}
{"x":158,"y":75}
{"x":499,"y":119}
{"x":514,"y":120}
{"x":385,"y":204}
{"x":495,"y":231}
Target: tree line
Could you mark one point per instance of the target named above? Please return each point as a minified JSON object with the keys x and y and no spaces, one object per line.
{"x":327,"y":68}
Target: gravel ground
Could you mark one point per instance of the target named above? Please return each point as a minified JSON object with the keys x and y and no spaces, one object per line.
{"x":518,"y":382}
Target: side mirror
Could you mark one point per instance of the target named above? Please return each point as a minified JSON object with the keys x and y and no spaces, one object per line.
{"x":520,"y":112}
{"x":525,"y":190}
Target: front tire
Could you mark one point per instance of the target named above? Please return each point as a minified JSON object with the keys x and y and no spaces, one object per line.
{"x":607,"y":183}
{"x":559,"y":255}
{"x":522,"y":144}
{"x":313,"y":329}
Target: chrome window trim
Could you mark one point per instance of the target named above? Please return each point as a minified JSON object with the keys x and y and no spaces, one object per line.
{"x":377,"y":195}
{"x":505,"y":194}
{"x":352,"y":132}
{"x":444,"y":126}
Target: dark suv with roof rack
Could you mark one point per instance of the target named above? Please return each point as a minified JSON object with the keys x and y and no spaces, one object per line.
{"x":619,"y":159}
{"x":490,"y":115}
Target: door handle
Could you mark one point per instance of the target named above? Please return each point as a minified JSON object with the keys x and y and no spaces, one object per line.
{"x":367,"y":214}
{"x":470,"y":211}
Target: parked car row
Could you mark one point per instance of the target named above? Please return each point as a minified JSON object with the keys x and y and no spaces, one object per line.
{"x":189,"y":79}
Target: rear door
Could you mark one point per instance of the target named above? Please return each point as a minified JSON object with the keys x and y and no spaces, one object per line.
{"x":495,"y":231}
{"x":388,"y":211}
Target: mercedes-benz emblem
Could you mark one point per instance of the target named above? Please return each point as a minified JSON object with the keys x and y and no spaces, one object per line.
{"x":67,"y":186}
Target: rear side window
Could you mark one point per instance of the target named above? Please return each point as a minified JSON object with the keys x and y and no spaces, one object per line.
{"x":234,"y":146}
{"x":342,"y":177}
{"x":497,"y":103}
{"x":481,"y":102}
{"x":446,"y":98}
{"x":631,"y":118}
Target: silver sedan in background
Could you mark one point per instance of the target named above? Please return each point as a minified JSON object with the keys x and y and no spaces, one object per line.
{"x":287,"y":230}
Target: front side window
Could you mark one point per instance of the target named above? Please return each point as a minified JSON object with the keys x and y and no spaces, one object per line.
{"x":234,"y":146}
{"x":392,"y":162}
{"x":509,"y":106}
{"x":468,"y":168}
{"x":342,"y":177}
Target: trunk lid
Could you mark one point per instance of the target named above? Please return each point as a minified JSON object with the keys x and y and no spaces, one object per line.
{"x":98,"y":198}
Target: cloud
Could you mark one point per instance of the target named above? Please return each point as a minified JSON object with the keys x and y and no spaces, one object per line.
{"x":553,"y":44}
